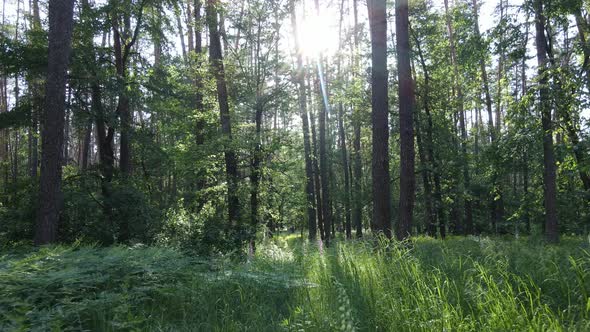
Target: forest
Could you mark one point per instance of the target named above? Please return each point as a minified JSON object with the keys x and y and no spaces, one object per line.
{"x":295,"y":165}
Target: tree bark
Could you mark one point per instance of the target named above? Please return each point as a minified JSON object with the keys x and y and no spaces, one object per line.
{"x":316,"y":171}
{"x":380,"y":117}
{"x":217,"y":68}
{"x":549,"y":176}
{"x":61,"y":14}
{"x":406,"y":111}
{"x":123,"y":41}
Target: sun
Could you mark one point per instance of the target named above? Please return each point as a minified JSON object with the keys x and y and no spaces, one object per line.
{"x":319,"y":34}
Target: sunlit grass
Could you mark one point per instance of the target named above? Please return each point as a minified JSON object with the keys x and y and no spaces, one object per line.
{"x":462,"y":284}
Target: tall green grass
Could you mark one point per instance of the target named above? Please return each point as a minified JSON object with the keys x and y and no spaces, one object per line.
{"x":461,"y":284}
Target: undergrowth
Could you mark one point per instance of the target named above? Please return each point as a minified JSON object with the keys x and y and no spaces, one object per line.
{"x":461,"y":284}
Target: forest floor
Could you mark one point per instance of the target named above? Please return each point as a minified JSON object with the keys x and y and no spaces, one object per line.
{"x":460,"y":284}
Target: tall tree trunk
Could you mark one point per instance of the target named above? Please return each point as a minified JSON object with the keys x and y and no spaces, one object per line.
{"x":406,"y":110}
{"x":61,"y":13}
{"x":86,"y":145}
{"x":300,"y":78}
{"x":256,"y":174}
{"x":323,"y":145}
{"x":459,"y":91}
{"x":380,"y":117}
{"x":316,"y":169}
{"x":549,"y":176}
{"x":217,"y":68}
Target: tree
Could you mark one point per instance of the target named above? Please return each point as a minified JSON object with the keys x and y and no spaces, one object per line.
{"x":406,"y":109}
{"x":217,"y":68}
{"x":461,"y":114}
{"x":124,"y":37}
{"x":549,"y":182}
{"x":357,"y":167}
{"x":379,"y":117}
{"x":300,"y":80}
{"x":61,"y":13}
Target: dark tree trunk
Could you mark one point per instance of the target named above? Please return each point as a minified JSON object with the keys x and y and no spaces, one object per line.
{"x":123,"y":104}
{"x":61,"y":14}
{"x":123,"y":42}
{"x":256,"y":175}
{"x":380,"y":117}
{"x":549,"y":176}
{"x":217,"y":68}
{"x":406,"y":110}
{"x":86,"y":145}
{"x":104,"y":135}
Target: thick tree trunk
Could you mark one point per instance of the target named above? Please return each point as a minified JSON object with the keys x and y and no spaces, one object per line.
{"x":549,"y":176}
{"x":217,"y":68}
{"x":406,"y":111}
{"x":380,"y":117}
{"x":61,"y":14}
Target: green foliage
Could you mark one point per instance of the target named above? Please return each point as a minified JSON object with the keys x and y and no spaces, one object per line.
{"x":463,"y":284}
